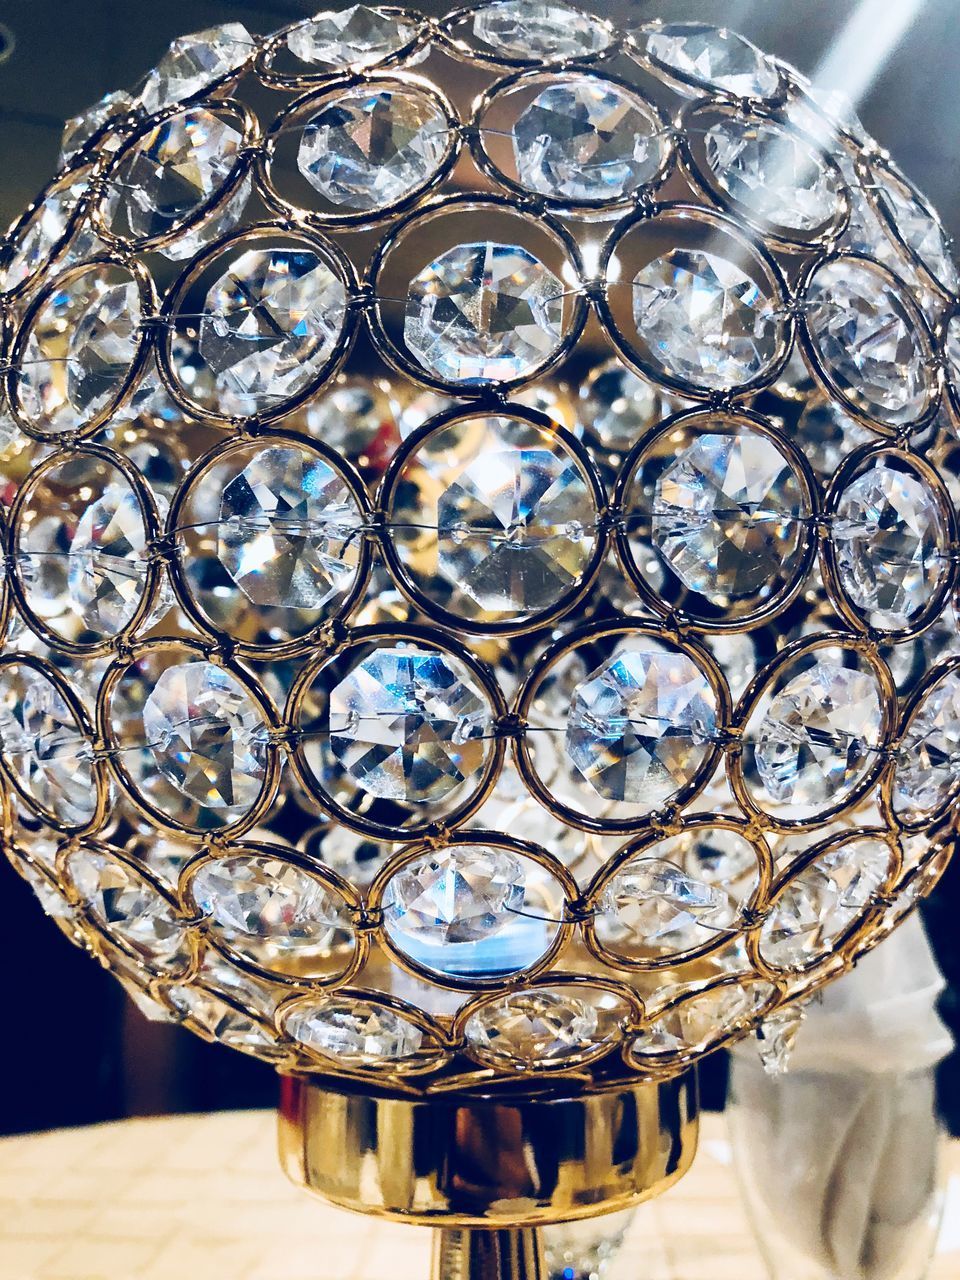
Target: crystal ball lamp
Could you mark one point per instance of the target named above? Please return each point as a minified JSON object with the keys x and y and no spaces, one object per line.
{"x":479,"y":509}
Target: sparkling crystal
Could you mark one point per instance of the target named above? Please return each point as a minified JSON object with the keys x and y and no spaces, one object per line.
{"x":289,"y":530}
{"x":359,"y":420}
{"x":584,"y":139}
{"x":617,"y":406}
{"x":44,"y":747}
{"x":79,"y":129}
{"x":207,"y":737}
{"x":660,"y":906}
{"x":269,"y":910}
{"x":357,"y":37}
{"x":818,"y":734}
{"x":223,"y":1023}
{"x":772,"y":174}
{"x":919,"y":228}
{"x":542,"y":1025}
{"x":868,"y":341}
{"x":728,"y":514}
{"x":705,"y":320}
{"x":536,"y":30}
{"x":195,"y":63}
{"x":702,"y":1019}
{"x":107,"y":560}
{"x":889,"y":538}
{"x":129,"y":908}
{"x":459,"y":894}
{"x":172,"y":172}
{"x":30,"y":250}
{"x":777,"y":1036}
{"x":710,"y":57}
{"x":820,"y":904}
{"x":484,"y":312}
{"x":927,"y":774}
{"x":409,"y":724}
{"x":372,"y":147}
{"x":640,"y":725}
{"x":270,"y":323}
{"x":354,"y":1032}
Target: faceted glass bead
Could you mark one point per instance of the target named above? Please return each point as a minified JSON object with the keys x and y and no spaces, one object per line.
{"x":818,"y":735}
{"x":371,"y":147}
{"x":79,"y":129}
{"x":820,"y":904}
{"x":710,"y":57}
{"x":129,"y":909}
{"x":44,"y":747}
{"x":535,"y":30}
{"x":80,"y":349}
{"x":31,"y":249}
{"x":107,"y":565}
{"x":354,"y":1032}
{"x":409,"y":724}
{"x":705,"y":320}
{"x":919,"y":228}
{"x":889,"y":537}
{"x":207,"y":737}
{"x":927,"y":774}
{"x":270,"y":323}
{"x":728,"y":515}
{"x":358,"y":418}
{"x":171,"y":173}
{"x":655,"y":907}
{"x":484,"y":312}
{"x":774,"y":176}
{"x":543,"y":1026}
{"x":700,"y":1021}
{"x":197,"y":62}
{"x":271,"y":912}
{"x":288,"y":533}
{"x":618,"y":407}
{"x":641,"y":725}
{"x":223,"y":1023}
{"x":357,"y":37}
{"x":586,"y":140}
{"x":868,"y":342}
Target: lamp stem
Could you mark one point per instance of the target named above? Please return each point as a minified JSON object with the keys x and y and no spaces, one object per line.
{"x":510,"y":1253}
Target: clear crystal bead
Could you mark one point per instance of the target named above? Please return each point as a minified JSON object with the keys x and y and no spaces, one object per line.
{"x":660,"y":907}
{"x":484,"y":312}
{"x":171,"y":173}
{"x":777,"y":1036}
{"x":371,"y":147}
{"x":129,"y":909}
{"x":270,"y":911}
{"x":44,"y":230}
{"x":537,"y":30}
{"x":207,"y":737}
{"x":618,"y":407}
{"x":457,"y":895}
{"x":703,"y":1019}
{"x":868,"y":341}
{"x":222,"y":1022}
{"x":641,"y":725}
{"x":357,"y":37}
{"x":409,"y":724}
{"x":44,"y":747}
{"x":919,"y":228}
{"x":541,"y":1025}
{"x":728,"y":514}
{"x":107,"y":561}
{"x":353,"y":1032}
{"x":818,"y":734}
{"x":197,"y":62}
{"x":270,"y":323}
{"x":358,"y":419}
{"x":288,"y":533}
{"x":773,"y":175}
{"x":927,"y":773}
{"x":889,"y":538}
{"x":586,"y":140}
{"x":706,"y":320}
{"x":79,"y":129}
{"x":816,"y":908}
{"x":711,"y":58}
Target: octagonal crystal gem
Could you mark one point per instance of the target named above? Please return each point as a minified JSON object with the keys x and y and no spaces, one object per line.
{"x":30,"y":250}
{"x":711,"y":57}
{"x":702,"y":1019}
{"x":462,"y":894}
{"x":728,"y":514}
{"x":530,"y":30}
{"x":927,"y":774}
{"x":43,"y":746}
{"x":356,"y":37}
{"x":409,"y":724}
{"x":658,"y":904}
{"x":79,"y":129}
{"x":484,"y":312}
{"x":224,"y":1023}
{"x":705,"y":319}
{"x":536,"y":1026}
{"x":207,"y":737}
{"x":641,"y":725}
{"x":288,"y":533}
{"x":586,"y":140}
{"x":107,"y":563}
{"x":920,"y":229}
{"x":354,"y":1032}
{"x":129,"y":908}
{"x":196,"y":62}
{"x":372,"y":147}
{"x":270,"y":323}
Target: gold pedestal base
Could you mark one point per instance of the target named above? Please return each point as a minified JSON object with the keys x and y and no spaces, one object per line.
{"x":488,"y":1169}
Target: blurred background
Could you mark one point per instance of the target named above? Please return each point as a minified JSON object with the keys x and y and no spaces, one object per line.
{"x":74,"y":1048}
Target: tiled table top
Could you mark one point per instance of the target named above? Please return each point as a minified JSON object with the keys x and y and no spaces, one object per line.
{"x":201,"y":1196}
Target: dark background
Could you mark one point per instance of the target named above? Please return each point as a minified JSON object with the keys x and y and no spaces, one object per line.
{"x":73,"y":1047}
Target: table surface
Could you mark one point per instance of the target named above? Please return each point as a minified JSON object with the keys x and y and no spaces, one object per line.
{"x":180,"y":1197}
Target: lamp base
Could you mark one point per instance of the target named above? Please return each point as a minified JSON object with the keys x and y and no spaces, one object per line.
{"x":488,"y":1168}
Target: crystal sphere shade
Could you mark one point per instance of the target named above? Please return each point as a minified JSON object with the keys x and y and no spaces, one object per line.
{"x":479,"y":514}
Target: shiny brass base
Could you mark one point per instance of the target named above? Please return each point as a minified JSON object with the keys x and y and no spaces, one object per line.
{"x":488,"y":1168}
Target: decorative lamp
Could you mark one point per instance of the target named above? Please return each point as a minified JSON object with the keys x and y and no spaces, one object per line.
{"x":481,"y":554}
